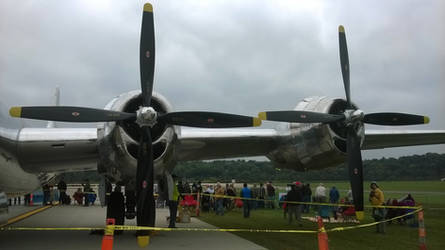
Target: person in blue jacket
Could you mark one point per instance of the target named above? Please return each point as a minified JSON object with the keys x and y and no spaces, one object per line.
{"x":246,"y":193}
{"x":334,"y":196}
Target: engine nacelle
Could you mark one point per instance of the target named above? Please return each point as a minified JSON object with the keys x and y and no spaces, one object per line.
{"x":119,"y":141}
{"x":314,"y":145}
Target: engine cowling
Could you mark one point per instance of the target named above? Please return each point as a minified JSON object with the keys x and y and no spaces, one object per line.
{"x":314,"y":145}
{"x":119,"y":141}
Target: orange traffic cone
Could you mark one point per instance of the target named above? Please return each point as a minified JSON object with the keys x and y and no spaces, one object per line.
{"x":422,"y":232}
{"x":107,"y":240}
{"x":322,"y":235}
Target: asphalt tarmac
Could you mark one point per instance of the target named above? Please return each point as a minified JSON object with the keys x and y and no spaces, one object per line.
{"x":94,"y":216}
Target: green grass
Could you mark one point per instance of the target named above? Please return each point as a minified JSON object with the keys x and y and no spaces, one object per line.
{"x":397,"y":236}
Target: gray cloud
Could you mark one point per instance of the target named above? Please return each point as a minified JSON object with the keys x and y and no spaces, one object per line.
{"x":230,"y":56}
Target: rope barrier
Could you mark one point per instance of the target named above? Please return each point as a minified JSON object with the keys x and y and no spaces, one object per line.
{"x":322,"y":232}
{"x":135,"y":228}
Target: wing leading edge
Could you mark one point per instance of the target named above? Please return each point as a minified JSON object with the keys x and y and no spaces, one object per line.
{"x":206,"y":144}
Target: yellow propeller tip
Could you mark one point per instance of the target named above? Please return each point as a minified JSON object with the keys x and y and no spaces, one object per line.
{"x":262,"y":116}
{"x":360,"y":215}
{"x":143,"y":241}
{"x":15,"y":111}
{"x":256,"y":122}
{"x":426,"y":119}
{"x":148,"y":7}
{"x":341,"y":29}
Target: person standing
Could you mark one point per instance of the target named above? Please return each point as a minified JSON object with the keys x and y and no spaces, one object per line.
{"x":377,"y":198}
{"x":230,"y":192}
{"x":199,"y":187}
{"x":307,"y":197}
{"x":334,"y":196}
{"x":211,"y":193}
{"x":51,"y":195}
{"x":108,"y":191}
{"x":46,"y":193}
{"x":78,"y":196}
{"x":255,"y":194}
{"x":187,"y":188}
{"x":27,"y":199}
{"x":293,"y":208}
{"x":195,"y":190}
{"x":246,"y":193}
{"x":262,"y":195}
{"x":219,"y":197}
{"x":61,"y":186}
{"x":17,"y":200}
{"x":349,"y":197}
{"x":173,"y":196}
{"x":320,"y":193}
{"x":86,"y":192}
{"x":116,"y":207}
{"x":270,"y":195}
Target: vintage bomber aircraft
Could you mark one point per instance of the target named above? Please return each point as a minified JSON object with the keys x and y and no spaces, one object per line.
{"x":141,"y":139}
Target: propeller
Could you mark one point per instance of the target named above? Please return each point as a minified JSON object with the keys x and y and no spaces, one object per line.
{"x":69,"y":114}
{"x":352,"y":120}
{"x":146,"y":117}
{"x":300,"y":116}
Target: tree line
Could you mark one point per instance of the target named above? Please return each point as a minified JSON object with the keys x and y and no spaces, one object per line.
{"x":430,"y":166}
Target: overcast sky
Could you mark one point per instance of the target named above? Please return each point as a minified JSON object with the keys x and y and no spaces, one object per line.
{"x":230,"y":56}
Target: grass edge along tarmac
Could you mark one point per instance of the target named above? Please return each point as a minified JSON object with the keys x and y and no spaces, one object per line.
{"x":397,"y":236}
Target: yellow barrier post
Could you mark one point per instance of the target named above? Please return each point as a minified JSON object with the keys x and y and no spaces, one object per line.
{"x":322,"y":235}
{"x":107,"y":240}
{"x":422,"y":233}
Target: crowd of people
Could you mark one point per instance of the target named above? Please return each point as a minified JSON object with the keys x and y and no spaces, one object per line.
{"x":216,"y":198}
{"x":85,"y":197}
{"x":222,"y":197}
{"x":58,"y":193}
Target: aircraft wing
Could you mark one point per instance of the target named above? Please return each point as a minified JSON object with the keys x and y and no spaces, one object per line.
{"x":375,"y":139}
{"x":205,"y":144}
{"x":51,"y":149}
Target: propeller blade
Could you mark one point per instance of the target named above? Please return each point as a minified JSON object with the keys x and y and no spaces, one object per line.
{"x":209,"y":119}
{"x":344,"y":61}
{"x":394,"y":119}
{"x":147,"y":54}
{"x":146,"y":212}
{"x":299,"y":116}
{"x":69,"y":114}
{"x":355,"y":166}
{"x":145,"y":206}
